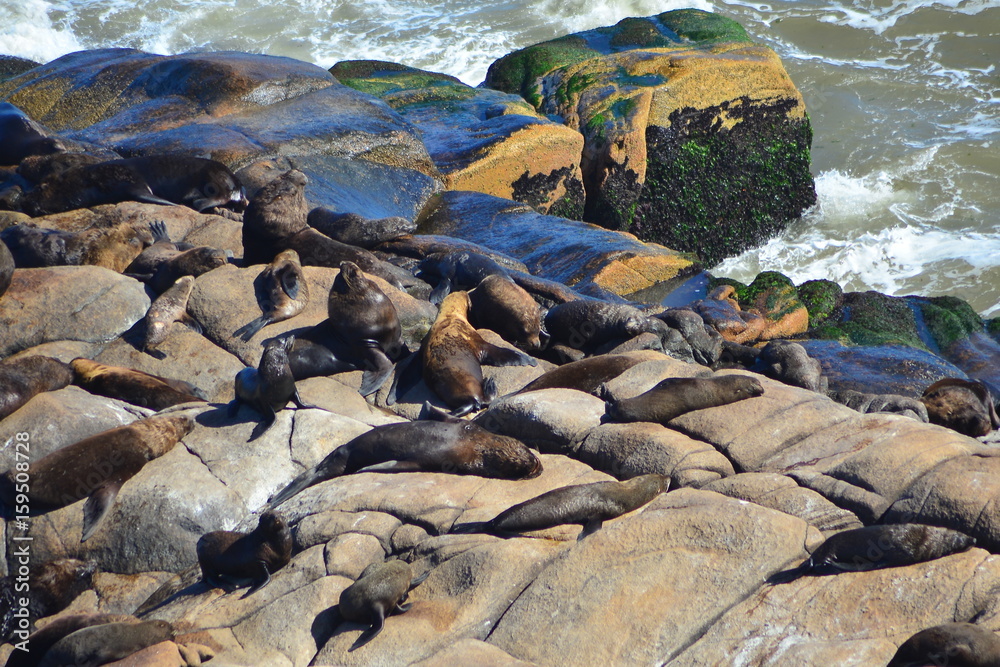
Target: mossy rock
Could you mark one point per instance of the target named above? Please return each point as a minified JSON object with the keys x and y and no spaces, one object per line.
{"x":696,"y":137}
{"x":947,"y":318}
{"x":872,"y":318}
{"x":822,"y":298}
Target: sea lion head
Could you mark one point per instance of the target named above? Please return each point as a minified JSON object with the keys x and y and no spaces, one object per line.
{"x":271,"y":523}
{"x":349,"y":279}
{"x":741,"y":386}
{"x":501,"y":456}
{"x":221,"y":187}
{"x":961,"y":405}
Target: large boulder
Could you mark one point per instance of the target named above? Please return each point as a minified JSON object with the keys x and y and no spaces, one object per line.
{"x":696,"y":137}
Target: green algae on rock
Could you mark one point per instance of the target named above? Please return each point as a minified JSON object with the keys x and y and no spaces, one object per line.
{"x":480,"y":139}
{"x":696,"y":137}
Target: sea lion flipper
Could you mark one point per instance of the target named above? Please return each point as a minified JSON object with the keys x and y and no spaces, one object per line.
{"x":371,"y":632}
{"x":260,"y":584}
{"x":473,"y":527}
{"x":590,"y":527}
{"x":442,"y":290}
{"x":409,"y":371}
{"x":289,"y":280}
{"x":433,"y":413}
{"x":158,"y":229}
{"x":374,"y":378}
{"x":302,"y":405}
{"x":98,"y":505}
{"x":493,"y":355}
{"x":403,"y":607}
{"x":233,"y":408}
{"x":249,"y":330}
{"x":194,"y":325}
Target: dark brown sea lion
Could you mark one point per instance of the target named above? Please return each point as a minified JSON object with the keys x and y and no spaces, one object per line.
{"x":49,"y":588}
{"x":950,"y":645}
{"x":40,"y":641}
{"x":6,"y":268}
{"x":586,"y":324}
{"x":675,"y":396}
{"x":965,"y":406}
{"x":132,"y":386}
{"x":94,"y":468}
{"x":227,"y":557}
{"x":589,"y":505}
{"x":362,"y":316}
{"x":381,"y":590}
{"x":452,"y":355}
{"x":106,"y":642}
{"x":308,"y":359}
{"x":195,"y":182}
{"x":149,"y":260}
{"x":113,"y":248}
{"x":458,"y":270}
{"x":37,"y":168}
{"x":269,"y":387}
{"x":451,"y":446}
{"x":501,"y":305}
{"x":356,"y":230}
{"x":191,"y":262}
{"x":169,"y":307}
{"x":891,"y":403}
{"x":585,"y":375}
{"x":23,"y":378}
{"x":876,"y":547}
{"x":286,"y":293}
{"x":21,"y":137}
{"x":789,"y":362}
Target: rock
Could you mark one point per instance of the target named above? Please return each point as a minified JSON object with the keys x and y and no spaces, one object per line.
{"x":11,"y":66}
{"x":471,"y":652}
{"x":583,"y":256}
{"x":695,"y":136}
{"x":550,"y":420}
{"x":480,"y":139}
{"x":78,"y":303}
{"x":766,"y":310}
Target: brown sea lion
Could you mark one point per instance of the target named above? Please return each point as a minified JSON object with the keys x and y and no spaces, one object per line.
{"x":37,"y":168}
{"x":362,"y":316}
{"x":21,"y":137}
{"x":195,"y":182}
{"x":589,"y":505}
{"x":227,"y":557}
{"x":94,"y":468}
{"x":789,"y":362}
{"x":132,"y":386}
{"x":23,"y":378}
{"x":286,"y":293}
{"x":950,"y":645}
{"x":675,"y":396}
{"x":353,"y":229}
{"x":965,"y":406}
{"x":501,"y":305}
{"x":876,"y":547}
{"x":191,"y":262}
{"x":452,"y":354}
{"x":381,"y":590}
{"x":451,"y":446}
{"x":160,"y":250}
{"x":585,"y":375}
{"x":6,"y":268}
{"x":269,"y":387}
{"x":49,"y":588}
{"x":113,"y":248}
{"x":169,"y":307}
{"x":586,"y":324}
{"x":42,"y":640}
{"x":106,"y":642}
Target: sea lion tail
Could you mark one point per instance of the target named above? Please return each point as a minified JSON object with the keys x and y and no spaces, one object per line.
{"x":473,"y":527}
{"x":301,"y":483}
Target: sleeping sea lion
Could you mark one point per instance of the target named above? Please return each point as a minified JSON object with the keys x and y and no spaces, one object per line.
{"x":965,"y":406}
{"x":169,"y":307}
{"x":132,"y":386}
{"x":675,"y":396}
{"x":23,"y":378}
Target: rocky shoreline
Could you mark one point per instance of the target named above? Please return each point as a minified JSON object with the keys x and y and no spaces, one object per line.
{"x":590,"y":170}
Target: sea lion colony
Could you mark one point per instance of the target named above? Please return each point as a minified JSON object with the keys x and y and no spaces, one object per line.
{"x":363,"y":332}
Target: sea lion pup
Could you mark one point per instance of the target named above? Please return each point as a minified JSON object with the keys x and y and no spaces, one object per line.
{"x":452,"y":354}
{"x":23,"y":378}
{"x":437,"y":443}
{"x":286,"y":293}
{"x":6,"y":268}
{"x":356,"y":230}
{"x":160,"y":250}
{"x":362,"y":316}
{"x":113,"y":247}
{"x":195,"y":182}
{"x":586,"y":324}
{"x":675,"y":396}
{"x":132,"y":386}
{"x":460,"y":270}
{"x":381,"y":590}
{"x":501,"y":305}
{"x":169,"y":307}
{"x":965,"y":406}
{"x":21,"y":137}
{"x":191,"y":262}
{"x":227,"y":557}
{"x":42,"y":640}
{"x":589,"y":505}
{"x":789,"y":362}
{"x":951,"y":644}
{"x":585,"y":375}
{"x":269,"y":387}
{"x":106,"y":642}
{"x":876,"y":547}
{"x":94,"y":468}
{"x":891,"y":403}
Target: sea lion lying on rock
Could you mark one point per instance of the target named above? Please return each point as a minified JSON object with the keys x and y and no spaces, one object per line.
{"x":951,"y":644}
{"x":675,"y":396}
{"x":965,"y":406}
{"x":381,"y":590}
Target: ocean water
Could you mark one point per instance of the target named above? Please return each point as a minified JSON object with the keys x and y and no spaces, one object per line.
{"x":904,"y":98}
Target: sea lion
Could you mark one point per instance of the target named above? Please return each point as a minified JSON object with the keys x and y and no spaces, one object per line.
{"x":23,"y":378}
{"x":269,"y":387}
{"x":195,"y":182}
{"x":356,"y":230}
{"x":42,"y":640}
{"x":20,"y":136}
{"x":586,"y":324}
{"x":308,"y":359}
{"x":451,"y":446}
{"x":452,"y":354}
{"x":94,"y":468}
{"x":675,"y":396}
{"x":169,"y":307}
{"x":501,"y":305}
{"x":286,"y":293}
{"x":876,"y":547}
{"x":460,"y":270}
{"x":276,"y":219}
{"x":705,"y":342}
{"x":52,"y":587}
{"x":381,"y":590}
{"x":132,"y":386}
{"x":589,"y":505}
{"x":950,"y":644}
{"x":191,"y":262}
{"x":586,"y":375}
{"x":106,"y":642}
{"x":37,"y":168}
{"x":362,"y":316}
{"x":6,"y":268}
{"x":113,"y":248}
{"x":160,"y":250}
{"x":892,"y":403}
{"x":789,"y":362}
{"x":965,"y":406}
{"x":226,"y":556}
